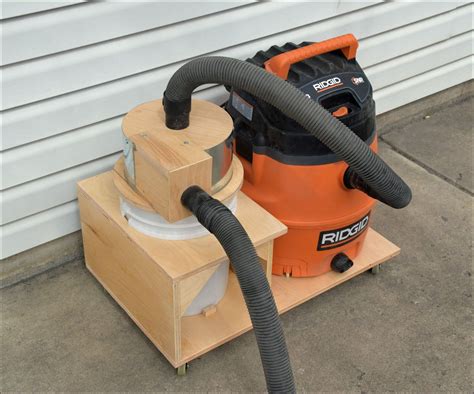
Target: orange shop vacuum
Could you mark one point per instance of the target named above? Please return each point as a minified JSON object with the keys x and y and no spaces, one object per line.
{"x":297,"y":177}
{"x":161,"y":229}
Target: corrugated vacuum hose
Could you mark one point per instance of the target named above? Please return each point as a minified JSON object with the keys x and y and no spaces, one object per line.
{"x":379,"y":178}
{"x":220,"y":221}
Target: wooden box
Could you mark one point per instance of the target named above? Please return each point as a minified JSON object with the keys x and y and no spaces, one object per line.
{"x":154,"y":280}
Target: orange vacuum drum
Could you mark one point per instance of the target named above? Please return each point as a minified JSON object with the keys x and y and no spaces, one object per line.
{"x":323,"y":217}
{"x":293,"y":175}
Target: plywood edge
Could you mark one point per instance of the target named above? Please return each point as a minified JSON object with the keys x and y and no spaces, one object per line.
{"x":280,"y":228}
{"x":177,"y":322}
{"x":290,"y":295}
{"x":265,"y":254}
{"x":224,"y":258}
{"x":82,"y":184}
{"x":234,"y":184}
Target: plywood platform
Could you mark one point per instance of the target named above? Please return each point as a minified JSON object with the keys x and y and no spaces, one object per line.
{"x":201,"y":334}
{"x":154,"y":280}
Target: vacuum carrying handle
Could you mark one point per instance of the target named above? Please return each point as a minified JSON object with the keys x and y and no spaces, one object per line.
{"x":280,"y":64}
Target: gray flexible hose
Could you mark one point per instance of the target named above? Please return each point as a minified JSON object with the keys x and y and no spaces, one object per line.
{"x":386,"y":185}
{"x":221,"y":222}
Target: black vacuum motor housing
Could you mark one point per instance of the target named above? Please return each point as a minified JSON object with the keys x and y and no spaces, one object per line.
{"x":336,"y":83}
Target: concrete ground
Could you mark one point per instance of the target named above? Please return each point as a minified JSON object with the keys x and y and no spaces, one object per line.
{"x":407,"y":329}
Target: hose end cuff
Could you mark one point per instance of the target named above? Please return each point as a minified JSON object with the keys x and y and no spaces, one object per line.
{"x":404,"y":199}
{"x":193,"y":197}
{"x":398,"y":200}
{"x":203,"y":206}
{"x":177,"y":112}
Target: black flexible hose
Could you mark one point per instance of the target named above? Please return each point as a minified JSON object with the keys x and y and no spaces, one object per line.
{"x":220,"y":221}
{"x":386,"y":184}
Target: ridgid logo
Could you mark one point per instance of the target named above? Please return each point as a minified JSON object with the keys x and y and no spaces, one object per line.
{"x":335,"y":238}
{"x":327,"y":84}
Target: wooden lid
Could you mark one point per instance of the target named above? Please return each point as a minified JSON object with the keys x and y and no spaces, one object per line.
{"x":209,"y":125}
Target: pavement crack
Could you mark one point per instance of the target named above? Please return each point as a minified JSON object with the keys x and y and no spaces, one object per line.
{"x":426,"y":167}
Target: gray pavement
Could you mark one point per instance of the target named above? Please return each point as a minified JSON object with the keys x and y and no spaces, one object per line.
{"x":444,"y":143}
{"x":407,"y":329}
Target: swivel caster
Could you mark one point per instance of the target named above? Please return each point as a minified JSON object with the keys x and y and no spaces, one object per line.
{"x":182,"y":369}
{"x":375,"y":269}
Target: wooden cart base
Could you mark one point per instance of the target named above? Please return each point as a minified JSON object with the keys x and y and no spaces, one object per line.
{"x":134,"y":269}
{"x":231,"y":319}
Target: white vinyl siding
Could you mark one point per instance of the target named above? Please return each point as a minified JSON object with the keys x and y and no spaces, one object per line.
{"x":71,"y":70}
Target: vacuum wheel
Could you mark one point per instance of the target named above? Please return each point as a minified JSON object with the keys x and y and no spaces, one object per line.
{"x":182,"y":369}
{"x":375,"y":269}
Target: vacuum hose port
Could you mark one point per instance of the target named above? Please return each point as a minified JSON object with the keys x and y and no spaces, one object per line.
{"x":341,"y":263}
{"x":353,"y":181}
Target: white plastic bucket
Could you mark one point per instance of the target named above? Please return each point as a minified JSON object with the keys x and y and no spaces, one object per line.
{"x":154,"y":225}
